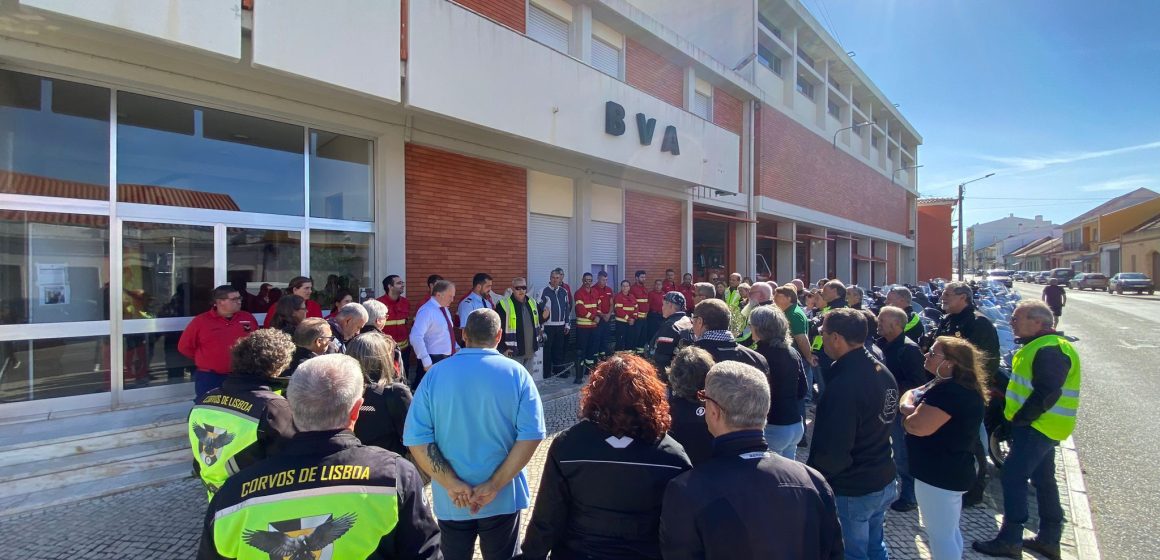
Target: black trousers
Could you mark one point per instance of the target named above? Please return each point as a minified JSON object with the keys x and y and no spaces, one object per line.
{"x":498,"y":537}
{"x":587,"y":340}
{"x":554,"y":347}
{"x":419,"y":372}
{"x":624,"y":340}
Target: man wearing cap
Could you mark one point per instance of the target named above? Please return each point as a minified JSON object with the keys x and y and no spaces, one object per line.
{"x":675,"y":333}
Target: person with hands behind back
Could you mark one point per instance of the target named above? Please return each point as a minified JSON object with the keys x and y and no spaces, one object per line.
{"x":473,"y":426}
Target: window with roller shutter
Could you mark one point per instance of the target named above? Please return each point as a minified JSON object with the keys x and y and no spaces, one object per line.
{"x":547,"y":28}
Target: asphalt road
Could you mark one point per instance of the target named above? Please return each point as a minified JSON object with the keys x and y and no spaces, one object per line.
{"x":1118,"y":428}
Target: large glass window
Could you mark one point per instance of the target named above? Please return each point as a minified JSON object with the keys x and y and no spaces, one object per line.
{"x":340,"y":261}
{"x":168,"y":270}
{"x":176,"y":154}
{"x":54,"y":268}
{"x":341,"y":177}
{"x":262,"y":256}
{"x":152,"y":359}
{"x":51,"y":368}
{"x":54,"y":137}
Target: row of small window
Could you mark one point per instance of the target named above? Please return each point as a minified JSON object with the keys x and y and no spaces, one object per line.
{"x":56,"y":267}
{"x":54,"y":141}
{"x":550,"y":24}
{"x":552,"y":30}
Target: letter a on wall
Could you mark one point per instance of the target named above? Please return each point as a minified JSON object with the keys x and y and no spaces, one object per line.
{"x":669,"y":144}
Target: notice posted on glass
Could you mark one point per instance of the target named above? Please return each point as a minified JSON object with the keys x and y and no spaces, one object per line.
{"x":52,"y":284}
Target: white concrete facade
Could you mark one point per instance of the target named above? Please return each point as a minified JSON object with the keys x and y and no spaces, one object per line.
{"x":468,"y":85}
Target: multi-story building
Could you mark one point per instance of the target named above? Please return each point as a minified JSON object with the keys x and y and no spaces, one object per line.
{"x":150,"y":151}
{"x":935,"y":238}
{"x":1084,"y":234}
{"x":981,"y":236}
{"x":197,"y":142}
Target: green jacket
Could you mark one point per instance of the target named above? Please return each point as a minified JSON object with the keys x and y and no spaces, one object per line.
{"x":236,"y":426}
{"x":326,"y":495}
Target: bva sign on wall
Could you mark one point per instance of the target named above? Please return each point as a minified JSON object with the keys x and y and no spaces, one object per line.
{"x":614,"y":125}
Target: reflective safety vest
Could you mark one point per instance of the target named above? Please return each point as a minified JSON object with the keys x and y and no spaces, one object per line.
{"x":216,"y":435}
{"x":914,"y":321}
{"x":509,"y":328}
{"x":1058,"y":422}
{"x":817,"y":344}
{"x":733,"y":298}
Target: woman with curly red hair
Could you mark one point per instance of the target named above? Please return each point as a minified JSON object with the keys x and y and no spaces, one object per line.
{"x":600,"y":493}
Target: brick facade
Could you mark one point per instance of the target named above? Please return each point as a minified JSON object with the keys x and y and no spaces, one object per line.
{"x":934,"y":241}
{"x":797,"y":166}
{"x":451,"y":200}
{"x":511,"y":13}
{"x":653,"y":234}
{"x":653,"y":74}
{"x":727,"y":111}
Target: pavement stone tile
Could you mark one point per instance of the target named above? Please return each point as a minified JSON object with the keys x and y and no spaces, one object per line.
{"x":164,"y":522}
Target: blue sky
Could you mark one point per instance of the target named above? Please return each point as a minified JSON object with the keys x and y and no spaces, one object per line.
{"x":1061,"y":99}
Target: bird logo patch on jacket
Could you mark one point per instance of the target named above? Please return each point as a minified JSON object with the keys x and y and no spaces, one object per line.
{"x":308,"y":538}
{"x":210,"y":441}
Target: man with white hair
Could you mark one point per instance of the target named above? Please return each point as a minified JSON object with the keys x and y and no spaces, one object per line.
{"x":376,"y":316}
{"x":346,"y":324}
{"x":474,"y":424}
{"x":901,"y":297}
{"x":906,"y":362}
{"x":709,"y":512}
{"x":325,"y":493}
{"x":1041,"y":404}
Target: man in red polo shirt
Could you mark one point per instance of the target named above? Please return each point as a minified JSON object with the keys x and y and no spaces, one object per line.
{"x":398,"y":324}
{"x":656,"y":298}
{"x":208,"y":338}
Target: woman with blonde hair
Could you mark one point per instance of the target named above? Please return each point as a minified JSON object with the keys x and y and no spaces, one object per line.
{"x":942,"y":421}
{"x":386,"y":399}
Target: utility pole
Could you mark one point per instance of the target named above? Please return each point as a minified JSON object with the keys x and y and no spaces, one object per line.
{"x":960,"y":209}
{"x":961,"y":185}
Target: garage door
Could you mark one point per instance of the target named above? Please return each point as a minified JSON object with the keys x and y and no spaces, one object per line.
{"x":549,"y":244}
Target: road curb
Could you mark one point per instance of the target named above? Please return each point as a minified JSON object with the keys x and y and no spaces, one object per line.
{"x":1086,"y":544}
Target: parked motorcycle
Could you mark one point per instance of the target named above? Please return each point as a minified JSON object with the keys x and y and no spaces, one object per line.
{"x":997,"y":426}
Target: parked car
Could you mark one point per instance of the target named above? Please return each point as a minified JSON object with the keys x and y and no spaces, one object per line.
{"x":1131,"y":281}
{"x":1020,"y":276}
{"x":1063,"y":275}
{"x":1041,"y":276}
{"x":1089,"y":281}
{"x":999,"y":275}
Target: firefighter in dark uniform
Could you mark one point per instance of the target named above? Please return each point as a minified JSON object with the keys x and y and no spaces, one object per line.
{"x":326,"y":494}
{"x":244,"y":420}
{"x":962,"y":320}
{"x":675,"y":333}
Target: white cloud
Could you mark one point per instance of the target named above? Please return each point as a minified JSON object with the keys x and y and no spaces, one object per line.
{"x":1035,"y":163}
{"x":1123,"y":183}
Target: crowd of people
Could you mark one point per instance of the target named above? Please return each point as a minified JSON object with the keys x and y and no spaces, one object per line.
{"x":317,"y":435}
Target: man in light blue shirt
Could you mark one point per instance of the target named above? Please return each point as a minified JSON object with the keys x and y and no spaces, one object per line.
{"x":473,"y":426}
{"x":479,"y":298}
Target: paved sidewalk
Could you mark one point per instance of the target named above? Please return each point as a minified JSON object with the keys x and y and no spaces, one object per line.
{"x":164,"y":522}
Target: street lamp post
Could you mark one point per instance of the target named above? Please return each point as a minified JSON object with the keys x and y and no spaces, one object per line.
{"x":855,"y":127}
{"x":895,"y":173}
{"x":961,"y":185}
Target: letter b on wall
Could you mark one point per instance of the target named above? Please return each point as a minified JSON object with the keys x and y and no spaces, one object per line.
{"x":613,"y":118}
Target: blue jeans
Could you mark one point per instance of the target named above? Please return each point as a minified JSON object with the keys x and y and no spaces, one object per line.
{"x":1032,"y":457}
{"x":941,"y":510}
{"x":862,"y":518}
{"x":901,"y":457}
{"x":783,"y":440}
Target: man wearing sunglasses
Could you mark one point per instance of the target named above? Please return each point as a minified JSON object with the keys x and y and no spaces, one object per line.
{"x":519,"y":319}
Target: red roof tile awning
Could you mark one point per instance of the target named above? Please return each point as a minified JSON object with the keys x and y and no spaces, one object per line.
{"x":37,"y":185}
